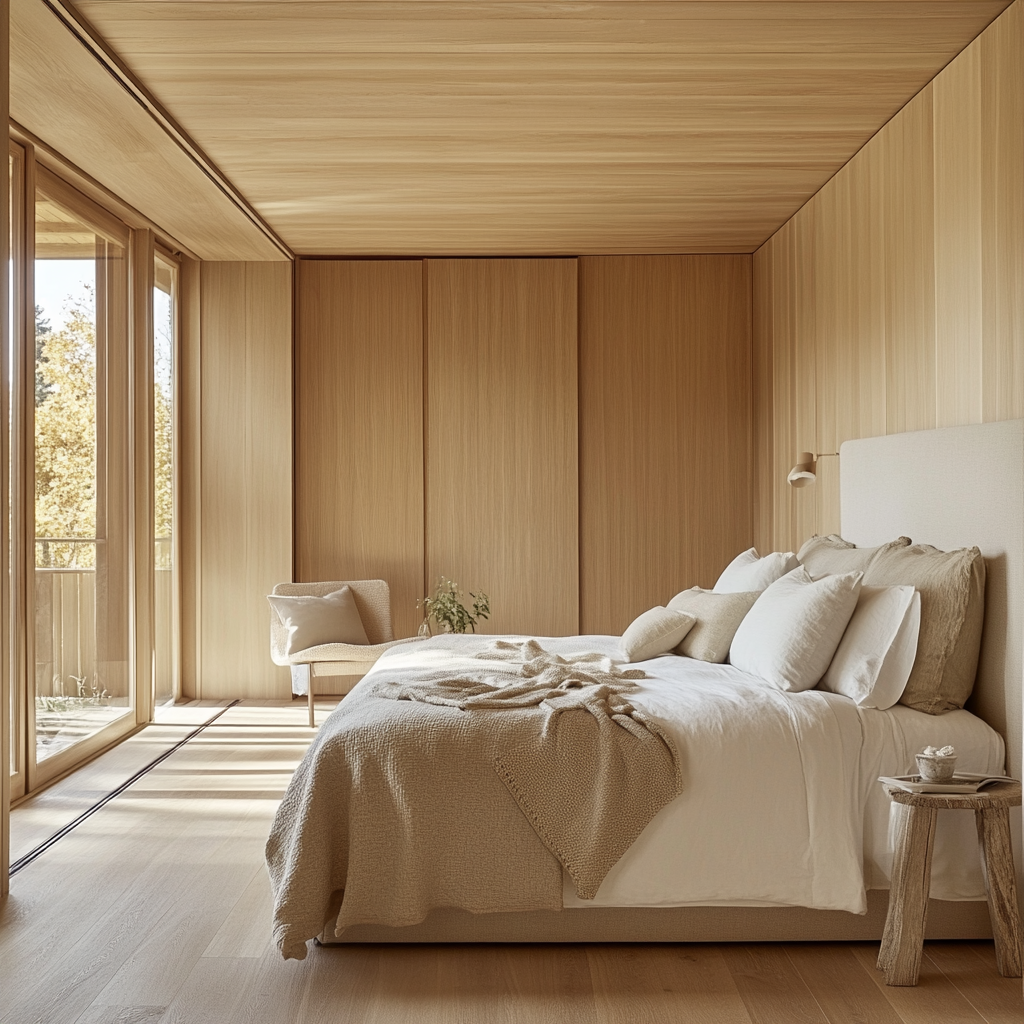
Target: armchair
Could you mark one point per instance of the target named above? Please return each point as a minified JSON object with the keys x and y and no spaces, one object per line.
{"x":373,"y":600}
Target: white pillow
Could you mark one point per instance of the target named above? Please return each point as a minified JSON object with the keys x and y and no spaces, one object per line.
{"x":789,"y":636}
{"x":312,"y":621}
{"x":876,"y":655}
{"x":655,"y":632}
{"x":748,"y":572}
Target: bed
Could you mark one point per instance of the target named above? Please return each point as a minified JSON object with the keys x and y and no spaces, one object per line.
{"x":781,"y":831}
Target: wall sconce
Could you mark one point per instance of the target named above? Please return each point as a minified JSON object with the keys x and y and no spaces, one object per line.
{"x":804,"y":472}
{"x":806,"y":469}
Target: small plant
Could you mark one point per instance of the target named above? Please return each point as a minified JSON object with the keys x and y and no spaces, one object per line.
{"x":448,"y":611}
{"x":88,"y":695}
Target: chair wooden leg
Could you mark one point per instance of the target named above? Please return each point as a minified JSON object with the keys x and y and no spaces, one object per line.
{"x":994,"y":834}
{"x":903,"y":941}
{"x":312,"y":718}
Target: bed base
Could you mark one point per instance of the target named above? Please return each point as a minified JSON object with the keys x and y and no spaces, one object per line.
{"x":946,"y":920}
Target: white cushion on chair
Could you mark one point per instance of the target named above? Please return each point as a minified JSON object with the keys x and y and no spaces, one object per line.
{"x":313,"y":621}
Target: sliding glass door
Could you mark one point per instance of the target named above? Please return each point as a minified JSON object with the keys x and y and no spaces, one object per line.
{"x":81,"y":472}
{"x":88,"y":416}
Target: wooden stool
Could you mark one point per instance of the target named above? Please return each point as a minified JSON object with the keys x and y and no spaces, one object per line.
{"x":903,"y":940}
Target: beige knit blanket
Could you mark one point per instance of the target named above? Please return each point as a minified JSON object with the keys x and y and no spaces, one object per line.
{"x":403,"y":801}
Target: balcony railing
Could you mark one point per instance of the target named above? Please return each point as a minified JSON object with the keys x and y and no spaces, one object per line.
{"x":66,"y":621}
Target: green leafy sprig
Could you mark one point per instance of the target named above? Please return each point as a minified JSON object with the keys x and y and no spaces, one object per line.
{"x":448,"y":611}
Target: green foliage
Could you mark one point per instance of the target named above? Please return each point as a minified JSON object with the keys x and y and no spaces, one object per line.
{"x":163,"y":473}
{"x":65,"y":420}
{"x":66,"y":440}
{"x":163,"y":441}
{"x":448,"y":611}
{"x":42,"y":329}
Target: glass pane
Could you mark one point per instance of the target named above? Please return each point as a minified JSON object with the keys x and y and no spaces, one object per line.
{"x":81,"y":480}
{"x":164,"y":296}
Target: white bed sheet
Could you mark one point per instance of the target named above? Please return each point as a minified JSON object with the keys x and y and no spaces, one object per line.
{"x":782,"y":804}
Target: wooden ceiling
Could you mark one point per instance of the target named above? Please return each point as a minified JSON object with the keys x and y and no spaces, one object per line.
{"x":436,"y":127}
{"x":67,"y":99}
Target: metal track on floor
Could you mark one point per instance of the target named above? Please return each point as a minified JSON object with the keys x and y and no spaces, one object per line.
{"x":24,"y":861}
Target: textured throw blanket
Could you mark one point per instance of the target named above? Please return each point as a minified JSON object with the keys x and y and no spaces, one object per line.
{"x":402,"y":802}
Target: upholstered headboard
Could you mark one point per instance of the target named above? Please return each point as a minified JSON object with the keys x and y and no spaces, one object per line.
{"x":955,"y":487}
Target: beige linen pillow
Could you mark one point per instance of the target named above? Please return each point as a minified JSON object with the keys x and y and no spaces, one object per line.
{"x":952,"y":586}
{"x":831,"y":555}
{"x":655,"y":632}
{"x":312,"y":621}
{"x":718,"y":618}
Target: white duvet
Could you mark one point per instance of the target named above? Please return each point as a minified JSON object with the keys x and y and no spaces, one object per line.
{"x":781,"y":804}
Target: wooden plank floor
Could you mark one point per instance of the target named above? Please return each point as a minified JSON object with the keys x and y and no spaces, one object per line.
{"x":156,"y":909}
{"x":41,"y":815}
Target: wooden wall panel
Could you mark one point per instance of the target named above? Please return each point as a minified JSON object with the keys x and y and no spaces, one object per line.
{"x":665,"y":428}
{"x":1002,"y":170}
{"x":359,"y":426}
{"x":501,"y":429}
{"x":784,"y":382}
{"x":958,"y":263}
{"x":917,"y":245}
{"x":762,"y":401}
{"x":246,"y":451}
{"x":908,"y":202}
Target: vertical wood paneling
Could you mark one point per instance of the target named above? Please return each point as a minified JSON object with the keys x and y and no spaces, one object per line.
{"x":784,"y":384}
{"x":359,"y":427}
{"x":914,"y":253}
{"x":501,"y":432}
{"x":190,"y":476}
{"x":908,"y":201}
{"x":664,"y":428}
{"x":958,"y":248}
{"x":826,"y":495}
{"x":762,"y":399}
{"x":805,"y":334}
{"x":1002,"y":170}
{"x":823,"y":210}
{"x":246,"y":513}
{"x":860,"y":387}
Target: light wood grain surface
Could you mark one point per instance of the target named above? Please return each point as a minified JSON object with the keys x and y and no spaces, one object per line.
{"x":524,"y":128}
{"x":904,"y":271}
{"x":8,"y":742}
{"x":62,"y":94}
{"x":246,"y":452}
{"x":143,"y":597}
{"x":501,"y":438}
{"x":157,"y":909}
{"x":359,"y":427}
{"x":665,"y":429}
{"x":190,"y":474}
